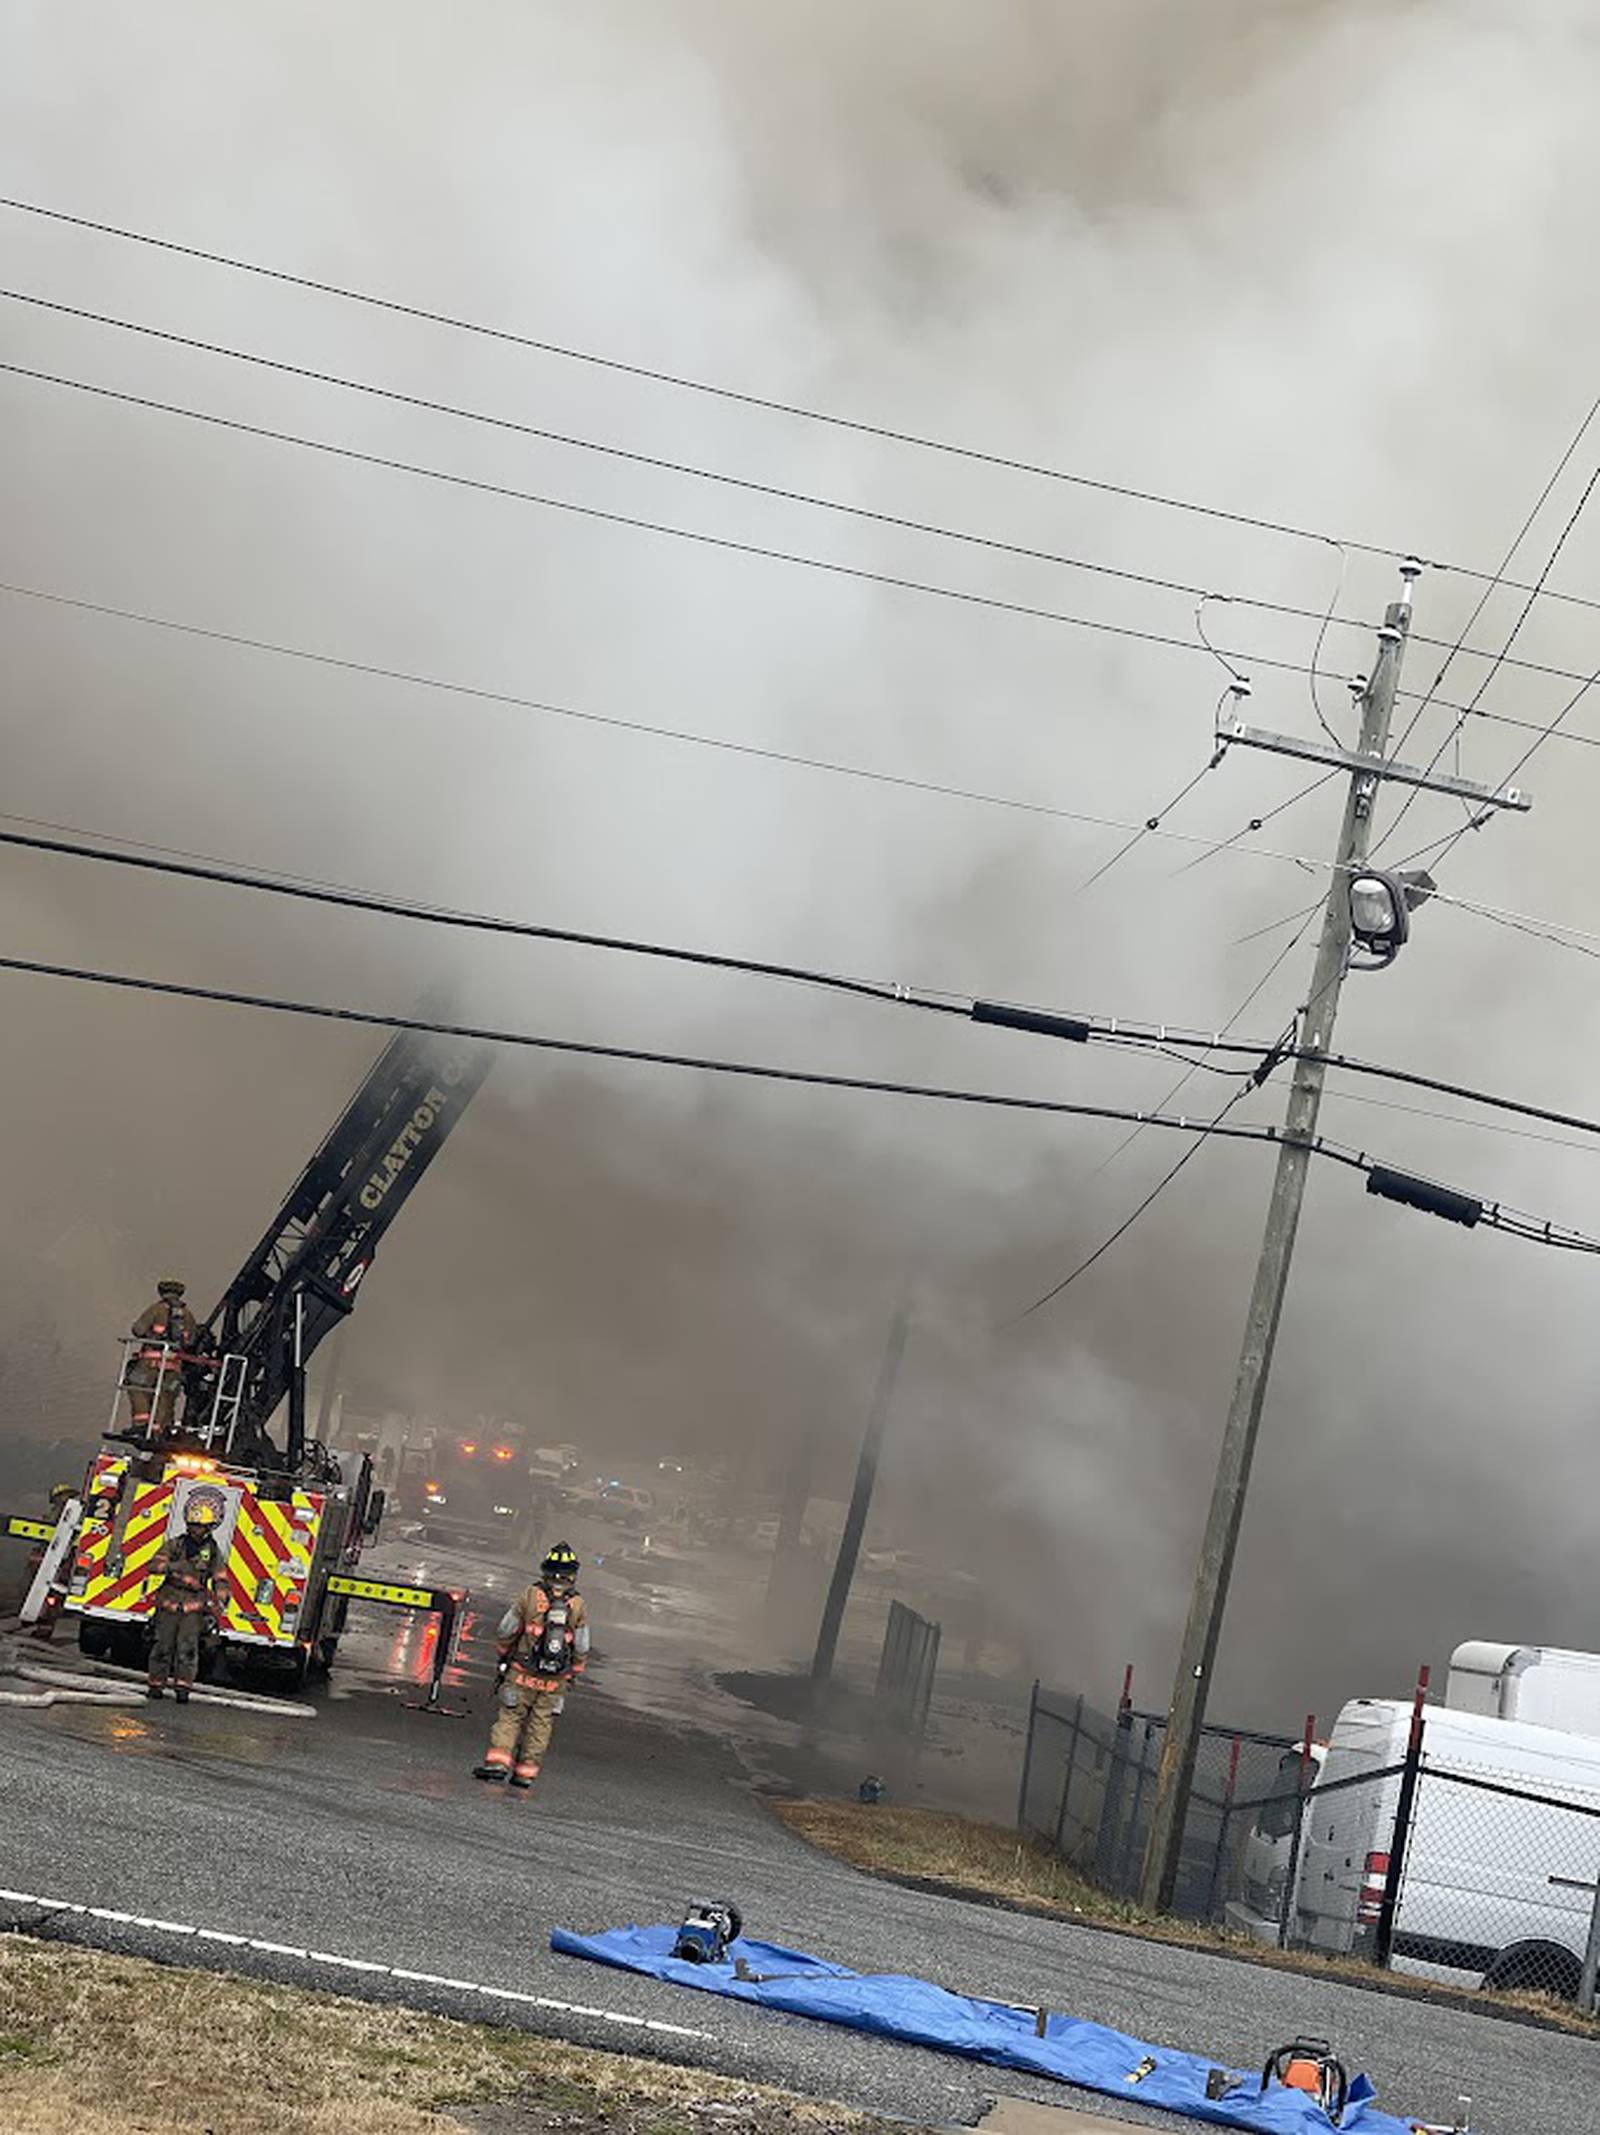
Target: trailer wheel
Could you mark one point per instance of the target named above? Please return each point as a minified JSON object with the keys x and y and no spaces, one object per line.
{"x":1535,"y":1968}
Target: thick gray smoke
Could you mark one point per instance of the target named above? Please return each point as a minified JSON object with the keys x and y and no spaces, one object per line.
{"x":1307,"y":261}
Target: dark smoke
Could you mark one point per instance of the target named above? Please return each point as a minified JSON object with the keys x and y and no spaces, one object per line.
{"x":1308,"y":261}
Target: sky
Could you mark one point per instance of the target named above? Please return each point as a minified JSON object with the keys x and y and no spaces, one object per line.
{"x":1311,"y":264}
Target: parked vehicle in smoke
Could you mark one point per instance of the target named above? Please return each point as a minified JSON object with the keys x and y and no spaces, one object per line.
{"x":1266,"y":1858}
{"x":1478,"y":1903}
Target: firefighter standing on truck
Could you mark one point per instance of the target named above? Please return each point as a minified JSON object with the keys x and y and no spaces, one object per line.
{"x":544,"y":1645}
{"x":187,"y":1569}
{"x":153,"y":1374}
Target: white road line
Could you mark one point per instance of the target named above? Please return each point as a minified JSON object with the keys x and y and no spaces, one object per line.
{"x":350,"y":1964}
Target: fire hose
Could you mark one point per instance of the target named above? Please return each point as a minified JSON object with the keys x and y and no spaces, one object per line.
{"x":113,"y":1688}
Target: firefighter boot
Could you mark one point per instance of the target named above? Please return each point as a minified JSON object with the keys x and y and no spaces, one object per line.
{"x":524,"y":1775}
{"x":495,"y":1774}
{"x":182,"y":1694}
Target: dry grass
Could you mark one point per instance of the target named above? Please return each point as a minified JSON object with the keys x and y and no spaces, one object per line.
{"x":100,"y":2045}
{"x":992,"y":1861}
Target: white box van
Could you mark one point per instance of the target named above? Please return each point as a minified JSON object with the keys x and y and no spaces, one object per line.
{"x":1544,"y":1684}
{"x":1478,"y":1904}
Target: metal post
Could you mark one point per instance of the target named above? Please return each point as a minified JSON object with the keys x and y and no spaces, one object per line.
{"x":844,"y":1569}
{"x":1591,"y":1957}
{"x":1383,"y":1937}
{"x":297,"y":1385}
{"x":1066,"y":1770}
{"x":1228,"y":1792}
{"x":1315,"y":1032}
{"x":1105,"y":1851}
{"x":1027,"y":1757}
{"x":1296,"y":1837}
{"x":1126,"y":1880}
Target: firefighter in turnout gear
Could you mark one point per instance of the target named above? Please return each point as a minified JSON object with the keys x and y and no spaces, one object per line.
{"x":187,"y":1569}
{"x":544,"y":1646}
{"x":154,"y":1372}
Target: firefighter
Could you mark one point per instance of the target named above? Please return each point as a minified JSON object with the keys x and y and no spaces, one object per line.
{"x":187,"y":1569}
{"x":544,"y":1647}
{"x":163,"y":1331}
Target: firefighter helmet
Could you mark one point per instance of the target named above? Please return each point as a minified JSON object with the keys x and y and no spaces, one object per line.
{"x":60,"y":1492}
{"x":171,"y":1286}
{"x":205,"y":1506}
{"x":560,"y":1563}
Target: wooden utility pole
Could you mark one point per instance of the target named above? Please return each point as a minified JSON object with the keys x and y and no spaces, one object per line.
{"x":1215,"y":1569}
{"x":844,"y":1568}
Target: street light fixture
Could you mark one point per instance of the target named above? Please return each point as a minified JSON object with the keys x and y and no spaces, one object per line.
{"x":1381,"y":904}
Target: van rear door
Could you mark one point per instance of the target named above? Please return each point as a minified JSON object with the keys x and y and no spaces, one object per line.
{"x":1348,"y":1816}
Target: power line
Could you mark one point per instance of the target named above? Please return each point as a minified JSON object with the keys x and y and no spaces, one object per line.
{"x":1492,"y":584}
{"x":1494,"y":1214}
{"x":794,"y":759}
{"x":1128,"y":1221}
{"x":1526,"y":610}
{"x":1258,"y":822}
{"x":1022,"y":1017}
{"x":725,"y":543}
{"x":1154,"y":822}
{"x":681,"y":382}
{"x":771,"y":404}
{"x":1167,"y":1178}
{"x":778,"y":491}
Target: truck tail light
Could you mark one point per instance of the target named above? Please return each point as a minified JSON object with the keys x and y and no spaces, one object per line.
{"x":1370,"y":1901}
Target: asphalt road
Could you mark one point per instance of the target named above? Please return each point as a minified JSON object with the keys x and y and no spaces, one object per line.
{"x":361,"y":1833}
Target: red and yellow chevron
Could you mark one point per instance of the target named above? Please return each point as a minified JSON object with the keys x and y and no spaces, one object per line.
{"x":116,"y":1574}
{"x":262,"y":1588}
{"x":268,"y":1564}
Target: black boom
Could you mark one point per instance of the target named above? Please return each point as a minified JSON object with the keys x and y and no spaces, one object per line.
{"x":302,"y":1278}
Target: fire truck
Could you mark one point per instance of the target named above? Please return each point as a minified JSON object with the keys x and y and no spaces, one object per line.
{"x":289,"y":1513}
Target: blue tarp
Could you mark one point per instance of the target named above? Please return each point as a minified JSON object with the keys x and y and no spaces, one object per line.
{"x":1089,"y":2055}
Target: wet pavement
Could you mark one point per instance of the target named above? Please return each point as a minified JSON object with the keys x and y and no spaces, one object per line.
{"x":358,"y":1834}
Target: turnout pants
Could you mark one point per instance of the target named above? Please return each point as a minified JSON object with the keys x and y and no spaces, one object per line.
{"x":175,"y":1649}
{"x":523,"y":1725}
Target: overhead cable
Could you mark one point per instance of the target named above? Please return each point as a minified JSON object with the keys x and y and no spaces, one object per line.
{"x":1017,"y":1016}
{"x":725,"y":544}
{"x":1536,"y":1229}
{"x":902,"y":522}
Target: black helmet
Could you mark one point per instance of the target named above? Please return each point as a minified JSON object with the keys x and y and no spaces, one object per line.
{"x":560,"y":1563}
{"x":170,"y":1286}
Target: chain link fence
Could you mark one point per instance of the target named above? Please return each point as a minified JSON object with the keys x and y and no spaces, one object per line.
{"x":1088,"y":1788}
{"x":1425,"y":1865}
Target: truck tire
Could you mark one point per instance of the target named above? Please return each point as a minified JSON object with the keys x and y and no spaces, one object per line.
{"x":1535,"y":1968}
{"x":94,"y":1639}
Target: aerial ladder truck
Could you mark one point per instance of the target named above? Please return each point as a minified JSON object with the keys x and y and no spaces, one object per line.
{"x":289,"y":1513}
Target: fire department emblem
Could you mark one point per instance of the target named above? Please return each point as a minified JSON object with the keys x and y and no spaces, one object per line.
{"x":206,"y":1502}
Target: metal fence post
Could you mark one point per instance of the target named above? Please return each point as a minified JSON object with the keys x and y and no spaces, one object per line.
{"x":1105,"y":1854}
{"x":1230,"y":1788}
{"x":1142,"y":1773}
{"x":1591,"y":1956}
{"x":1027,"y":1757}
{"x":1383,"y":1939}
{"x":1066,"y":1772}
{"x":1297,"y":1836}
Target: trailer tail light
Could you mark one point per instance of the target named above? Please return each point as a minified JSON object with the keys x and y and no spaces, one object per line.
{"x":1369,"y":1904}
